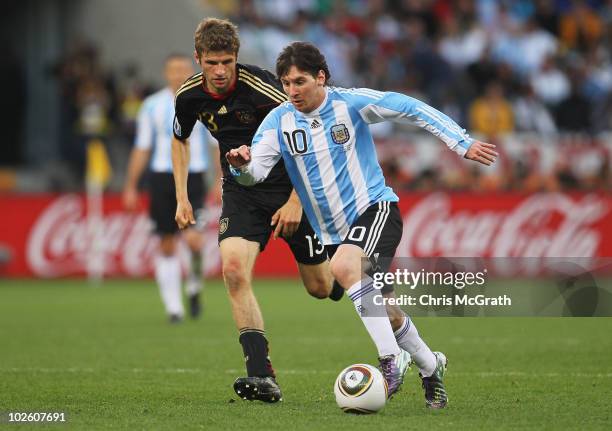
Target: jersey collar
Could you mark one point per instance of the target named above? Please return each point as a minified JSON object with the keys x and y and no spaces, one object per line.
{"x":219,"y":96}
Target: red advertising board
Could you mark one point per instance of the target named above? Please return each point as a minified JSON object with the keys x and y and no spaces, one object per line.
{"x":51,"y":235}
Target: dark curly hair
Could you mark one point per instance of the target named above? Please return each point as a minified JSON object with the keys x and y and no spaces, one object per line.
{"x":303,"y":55}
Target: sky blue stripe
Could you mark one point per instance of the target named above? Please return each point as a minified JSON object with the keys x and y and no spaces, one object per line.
{"x":366,"y":153}
{"x":300,"y":189}
{"x":316,"y":184}
{"x":340,"y":163}
{"x":153,"y":119}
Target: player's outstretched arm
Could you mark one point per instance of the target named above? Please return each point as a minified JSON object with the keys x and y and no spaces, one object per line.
{"x":180,"y":166}
{"x":482,"y":152}
{"x":136,"y":166}
{"x":375,"y":106}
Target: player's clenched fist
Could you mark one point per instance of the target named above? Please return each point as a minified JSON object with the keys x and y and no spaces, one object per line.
{"x":238,"y":157}
{"x":184,"y":215}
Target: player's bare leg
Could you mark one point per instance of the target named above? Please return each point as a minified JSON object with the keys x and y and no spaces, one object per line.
{"x":237,"y":260}
{"x":168,"y":277}
{"x":319,"y":282}
{"x":317,"y":279}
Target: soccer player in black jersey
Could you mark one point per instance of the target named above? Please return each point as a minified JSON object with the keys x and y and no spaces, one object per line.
{"x":231,"y":100}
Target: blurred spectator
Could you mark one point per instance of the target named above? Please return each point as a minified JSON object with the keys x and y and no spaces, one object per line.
{"x":462,"y":44}
{"x":132,"y":93}
{"x":418,"y":55}
{"x":602,"y":115}
{"x":338,"y":47}
{"x":580,"y":27}
{"x":88,"y":102}
{"x":531,"y":115}
{"x":491,"y":115}
{"x":536,"y":45}
{"x":574,"y":113}
{"x":546,"y":16}
{"x":598,"y":75}
{"x":550,"y":83}
{"x":483,"y":71}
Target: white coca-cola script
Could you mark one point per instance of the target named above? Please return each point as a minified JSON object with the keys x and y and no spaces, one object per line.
{"x":60,"y":241}
{"x":542,"y":225}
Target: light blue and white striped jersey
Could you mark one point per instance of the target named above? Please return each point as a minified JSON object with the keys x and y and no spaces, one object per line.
{"x":330,"y":156}
{"x":154,"y":132}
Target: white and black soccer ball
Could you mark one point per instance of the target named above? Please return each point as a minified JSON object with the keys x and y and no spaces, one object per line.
{"x":360,"y":388}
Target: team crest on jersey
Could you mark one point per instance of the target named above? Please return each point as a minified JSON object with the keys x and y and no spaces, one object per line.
{"x":340,"y":134}
{"x":245,"y":117}
{"x":223,"y":224}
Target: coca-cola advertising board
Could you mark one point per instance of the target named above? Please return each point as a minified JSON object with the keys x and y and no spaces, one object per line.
{"x":52,"y":236}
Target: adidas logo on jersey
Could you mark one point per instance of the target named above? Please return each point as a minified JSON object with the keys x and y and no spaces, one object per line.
{"x":315,"y":124}
{"x":222,"y":110}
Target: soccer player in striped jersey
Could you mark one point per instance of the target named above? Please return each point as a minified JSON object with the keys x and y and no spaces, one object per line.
{"x":152,"y":147}
{"x":322,"y":134}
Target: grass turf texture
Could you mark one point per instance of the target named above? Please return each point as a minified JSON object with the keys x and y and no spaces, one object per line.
{"x":107,"y":357}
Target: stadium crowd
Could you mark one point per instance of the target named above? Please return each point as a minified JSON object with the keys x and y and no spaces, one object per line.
{"x":534,"y":77}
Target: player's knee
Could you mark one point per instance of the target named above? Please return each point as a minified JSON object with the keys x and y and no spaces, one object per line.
{"x":167,"y":245}
{"x":319,"y":288}
{"x":234,"y":274}
{"x":343,"y":271}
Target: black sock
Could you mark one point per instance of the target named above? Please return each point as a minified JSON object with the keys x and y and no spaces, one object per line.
{"x":255,"y":348}
{"x":337,"y":292}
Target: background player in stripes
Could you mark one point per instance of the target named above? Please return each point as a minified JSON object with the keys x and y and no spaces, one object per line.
{"x":323,"y":136}
{"x":153,"y":138}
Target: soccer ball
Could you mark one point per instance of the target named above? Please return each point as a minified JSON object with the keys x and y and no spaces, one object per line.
{"x":360,"y":388}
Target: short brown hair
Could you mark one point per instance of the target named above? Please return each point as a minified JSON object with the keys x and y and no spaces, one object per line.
{"x":215,"y":34}
{"x":303,"y":55}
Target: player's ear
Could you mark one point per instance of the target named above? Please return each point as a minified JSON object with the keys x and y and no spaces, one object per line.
{"x":196,"y":56}
{"x":321,"y":78}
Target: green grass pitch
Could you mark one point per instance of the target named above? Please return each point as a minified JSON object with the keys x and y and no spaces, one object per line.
{"x":106,"y":356}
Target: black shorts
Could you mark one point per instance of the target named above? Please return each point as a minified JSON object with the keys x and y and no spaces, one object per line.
{"x":162,"y":208}
{"x":247,"y":214}
{"x":378,"y":232}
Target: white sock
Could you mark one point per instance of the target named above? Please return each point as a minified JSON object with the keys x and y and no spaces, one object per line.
{"x":194,"y":285}
{"x":373,"y":316}
{"x":168,"y":276}
{"x":408,"y":339}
